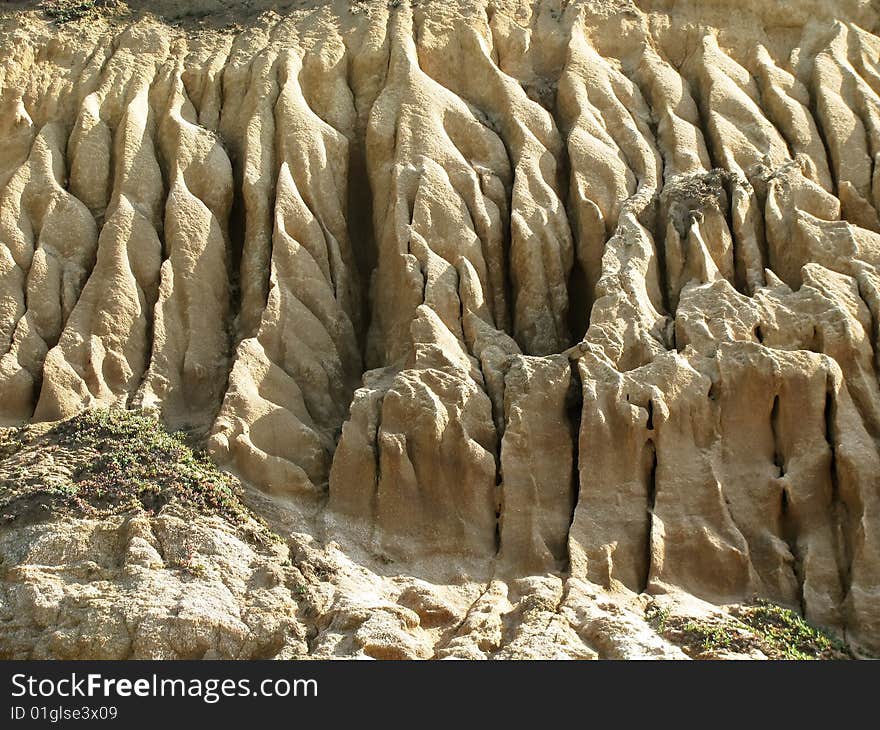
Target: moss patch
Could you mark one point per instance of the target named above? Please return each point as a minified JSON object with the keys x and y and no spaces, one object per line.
{"x":110,"y":462}
{"x":777,"y":632}
{"x":65,"y":11}
{"x":787,"y":635}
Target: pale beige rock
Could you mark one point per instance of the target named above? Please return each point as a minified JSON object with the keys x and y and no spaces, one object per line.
{"x":179,"y":586}
{"x":536,"y":465}
{"x":516,"y":314}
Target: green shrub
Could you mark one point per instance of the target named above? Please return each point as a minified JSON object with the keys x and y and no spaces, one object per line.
{"x":119,"y":461}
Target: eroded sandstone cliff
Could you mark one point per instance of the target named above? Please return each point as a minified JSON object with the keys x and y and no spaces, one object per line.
{"x":522,"y":297}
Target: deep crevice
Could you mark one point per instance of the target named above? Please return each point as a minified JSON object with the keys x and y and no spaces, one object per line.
{"x":778,"y":458}
{"x":788,"y":530}
{"x":361,"y":235}
{"x":872,"y":332}
{"x":651,"y":500}
{"x":838,"y":512}
{"x":575,"y":405}
{"x":823,"y":137}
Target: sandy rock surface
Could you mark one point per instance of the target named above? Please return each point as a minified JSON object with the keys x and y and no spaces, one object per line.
{"x":516,"y":317}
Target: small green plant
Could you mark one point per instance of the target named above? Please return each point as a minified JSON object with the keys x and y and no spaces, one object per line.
{"x":787,"y":635}
{"x":715,"y":636}
{"x":189,"y":564}
{"x":775,"y":631}
{"x":657,"y":617}
{"x":196,"y":570}
{"x":65,"y":11}
{"x":122,"y":461}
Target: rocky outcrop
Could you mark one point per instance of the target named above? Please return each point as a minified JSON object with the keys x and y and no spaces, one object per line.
{"x":180,"y":586}
{"x":581,"y":296}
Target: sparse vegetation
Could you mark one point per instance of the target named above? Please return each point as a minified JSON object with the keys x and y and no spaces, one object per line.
{"x":65,"y":11}
{"x":712,"y":636}
{"x":775,"y":631}
{"x":120,"y":461}
{"x":788,"y":635}
{"x":190,"y":565}
{"x":657,"y":618}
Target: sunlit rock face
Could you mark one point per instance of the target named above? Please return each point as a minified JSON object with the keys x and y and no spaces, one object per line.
{"x":477,"y":289}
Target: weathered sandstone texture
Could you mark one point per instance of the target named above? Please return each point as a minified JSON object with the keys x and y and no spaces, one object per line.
{"x":518,"y":313}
